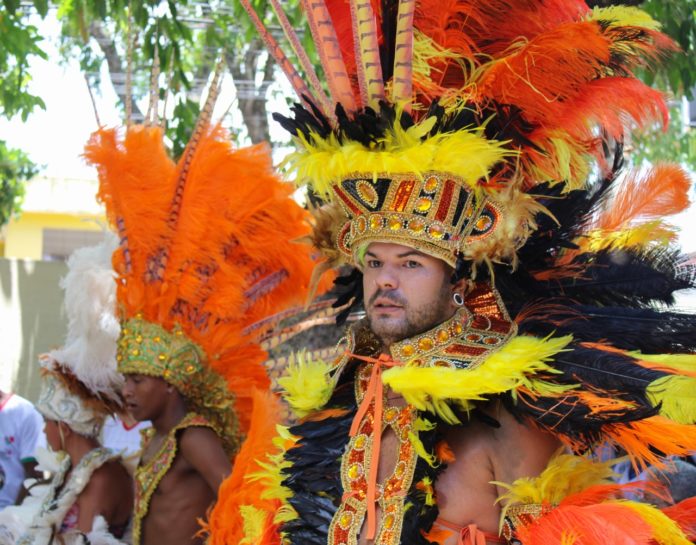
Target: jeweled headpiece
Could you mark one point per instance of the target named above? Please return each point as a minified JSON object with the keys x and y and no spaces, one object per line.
{"x":443,"y":116}
{"x":206,"y":252}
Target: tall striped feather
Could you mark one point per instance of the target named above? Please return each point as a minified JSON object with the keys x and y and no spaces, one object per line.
{"x":329,"y":49}
{"x":403,"y":54}
{"x":291,"y":35}
{"x":367,"y":53}
{"x":276,"y":52}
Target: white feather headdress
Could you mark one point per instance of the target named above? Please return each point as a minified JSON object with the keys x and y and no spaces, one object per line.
{"x":89,"y":351}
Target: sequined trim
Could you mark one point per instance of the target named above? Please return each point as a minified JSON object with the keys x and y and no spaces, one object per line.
{"x":355,"y":463}
{"x":464,"y":340}
{"x":521,"y":515}
{"x":148,"y":476}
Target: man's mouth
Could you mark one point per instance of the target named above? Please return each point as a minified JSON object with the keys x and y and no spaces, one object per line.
{"x":386,"y":305}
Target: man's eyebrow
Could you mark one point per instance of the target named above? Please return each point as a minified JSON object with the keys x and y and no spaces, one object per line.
{"x":370,"y":254}
{"x":410,"y":253}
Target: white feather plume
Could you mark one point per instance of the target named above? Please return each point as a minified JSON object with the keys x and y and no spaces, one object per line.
{"x":93,"y":328}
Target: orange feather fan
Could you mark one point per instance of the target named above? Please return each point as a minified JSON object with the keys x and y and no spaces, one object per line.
{"x":206,"y":245}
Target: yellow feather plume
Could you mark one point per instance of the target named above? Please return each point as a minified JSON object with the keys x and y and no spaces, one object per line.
{"x":507,"y":369}
{"x":665,"y":530}
{"x":675,"y":362}
{"x":254,"y":523}
{"x":307,"y":385}
{"x":619,"y":16}
{"x":676,"y":395}
{"x":465,"y":153}
{"x":651,"y":233}
{"x":566,"y":474}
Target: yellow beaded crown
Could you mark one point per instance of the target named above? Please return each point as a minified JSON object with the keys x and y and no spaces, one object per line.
{"x":436,"y":213}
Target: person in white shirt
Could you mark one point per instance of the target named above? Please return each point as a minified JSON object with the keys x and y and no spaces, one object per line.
{"x":21,"y":432}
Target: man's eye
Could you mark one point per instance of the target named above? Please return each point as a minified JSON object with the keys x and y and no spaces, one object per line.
{"x":373,"y":263}
{"x":412,"y":264}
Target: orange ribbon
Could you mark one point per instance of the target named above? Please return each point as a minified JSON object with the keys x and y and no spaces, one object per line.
{"x":470,"y":534}
{"x":374,"y":392}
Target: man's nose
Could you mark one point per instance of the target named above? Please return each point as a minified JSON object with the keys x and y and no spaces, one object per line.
{"x":387,"y":278}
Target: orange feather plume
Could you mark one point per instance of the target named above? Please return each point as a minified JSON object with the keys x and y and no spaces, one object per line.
{"x":213,"y":257}
{"x":662,"y":191}
{"x":225,"y":523}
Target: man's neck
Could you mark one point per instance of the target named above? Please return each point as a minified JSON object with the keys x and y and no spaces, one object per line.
{"x":79,"y":446}
{"x":170,"y":417}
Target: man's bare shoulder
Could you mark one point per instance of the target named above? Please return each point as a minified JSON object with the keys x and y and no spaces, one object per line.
{"x":520,"y":448}
{"x":202,"y":448}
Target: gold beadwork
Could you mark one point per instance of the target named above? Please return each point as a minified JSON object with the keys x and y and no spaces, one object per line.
{"x":394,"y":223}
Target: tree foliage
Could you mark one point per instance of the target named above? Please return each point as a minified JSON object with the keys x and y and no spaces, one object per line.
{"x":15,"y":169}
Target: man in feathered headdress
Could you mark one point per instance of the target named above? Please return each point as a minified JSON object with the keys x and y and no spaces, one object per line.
{"x":512,"y":305}
{"x":206,"y":257}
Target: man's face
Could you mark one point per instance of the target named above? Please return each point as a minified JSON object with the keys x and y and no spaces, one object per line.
{"x":407,"y":292}
{"x":145,"y":396}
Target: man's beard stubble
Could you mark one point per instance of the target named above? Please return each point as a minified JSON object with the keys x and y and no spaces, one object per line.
{"x":416,"y":320}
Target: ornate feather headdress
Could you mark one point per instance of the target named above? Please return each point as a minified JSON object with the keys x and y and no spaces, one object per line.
{"x":206,"y":252}
{"x":443,"y":116}
{"x":80,"y":383}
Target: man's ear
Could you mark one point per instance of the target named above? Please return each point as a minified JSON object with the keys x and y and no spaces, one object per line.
{"x":462,"y":286}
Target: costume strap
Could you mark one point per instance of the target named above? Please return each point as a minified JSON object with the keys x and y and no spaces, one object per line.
{"x":373,"y":393}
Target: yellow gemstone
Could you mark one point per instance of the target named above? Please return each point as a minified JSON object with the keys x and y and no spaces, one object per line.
{"x":190,"y":368}
{"x":345,"y":520}
{"x":166,"y":373}
{"x":179,"y":333}
{"x":424,"y":204}
{"x":376,"y":222}
{"x":125,"y":331}
{"x":360,"y":442}
{"x":400,"y":469}
{"x":426,"y":343}
{"x":354,"y":471}
{"x":431,"y":184}
{"x":394,"y":223}
{"x":389,"y":522}
{"x":161,"y":357}
{"x":135,"y":352}
{"x":390,"y":414}
{"x":458,"y":328}
{"x":361,"y":224}
{"x":436,"y":231}
{"x":367,"y":192}
{"x":408,"y":350}
{"x":416,"y":226}
{"x":483,"y":223}
{"x":156,"y":339}
{"x":139,"y":338}
{"x":441,"y":363}
{"x":119,"y":357}
{"x":442,"y":335}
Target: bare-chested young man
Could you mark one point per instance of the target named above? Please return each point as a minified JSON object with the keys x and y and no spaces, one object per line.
{"x":504,"y":315}
{"x":181,"y":467}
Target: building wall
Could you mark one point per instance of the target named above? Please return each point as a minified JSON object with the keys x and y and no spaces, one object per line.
{"x":24,"y":235}
{"x":30,"y":320}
